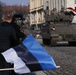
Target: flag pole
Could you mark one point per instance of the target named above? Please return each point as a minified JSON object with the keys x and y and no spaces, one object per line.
{"x":57,"y":66}
{"x":6,"y":69}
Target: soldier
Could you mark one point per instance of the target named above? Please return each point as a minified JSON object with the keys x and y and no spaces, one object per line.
{"x":62,"y":13}
{"x":54,"y":11}
{"x":54,"y":15}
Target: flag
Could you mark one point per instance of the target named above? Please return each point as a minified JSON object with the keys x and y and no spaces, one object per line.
{"x":29,"y":56}
{"x":72,"y":10}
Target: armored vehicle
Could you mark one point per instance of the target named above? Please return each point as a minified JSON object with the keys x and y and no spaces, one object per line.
{"x":59,"y":28}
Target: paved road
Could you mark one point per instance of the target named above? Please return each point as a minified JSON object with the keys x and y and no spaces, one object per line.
{"x":40,"y":41}
{"x":65,"y":57}
{"x":36,"y":73}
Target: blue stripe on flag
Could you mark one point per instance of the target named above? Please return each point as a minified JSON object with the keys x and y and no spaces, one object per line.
{"x":45,"y":60}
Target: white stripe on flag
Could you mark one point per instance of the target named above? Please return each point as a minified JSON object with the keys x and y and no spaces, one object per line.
{"x":11,"y":57}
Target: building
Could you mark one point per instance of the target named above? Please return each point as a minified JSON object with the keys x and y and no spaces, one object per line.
{"x":36,"y":12}
{"x":38,"y":8}
{"x":58,"y":4}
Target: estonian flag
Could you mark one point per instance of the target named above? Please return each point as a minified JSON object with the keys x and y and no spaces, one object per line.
{"x":29,"y":56}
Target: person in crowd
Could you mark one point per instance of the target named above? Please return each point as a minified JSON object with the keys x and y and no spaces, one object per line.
{"x":54,"y":11}
{"x":20,"y":35}
{"x":8,"y":39}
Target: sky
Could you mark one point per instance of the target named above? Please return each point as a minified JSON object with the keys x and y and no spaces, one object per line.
{"x":15,"y":2}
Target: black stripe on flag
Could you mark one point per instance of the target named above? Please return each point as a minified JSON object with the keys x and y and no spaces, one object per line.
{"x":31,"y":62}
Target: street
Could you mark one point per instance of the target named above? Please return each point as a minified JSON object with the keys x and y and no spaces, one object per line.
{"x":65,"y":57}
{"x":36,"y":73}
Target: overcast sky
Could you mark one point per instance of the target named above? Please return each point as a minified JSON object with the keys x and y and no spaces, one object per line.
{"x":14,"y":2}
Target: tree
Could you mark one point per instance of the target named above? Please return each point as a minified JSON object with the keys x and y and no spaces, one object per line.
{"x":1,"y":11}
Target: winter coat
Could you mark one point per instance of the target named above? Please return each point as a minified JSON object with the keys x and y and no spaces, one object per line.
{"x":8,"y":37}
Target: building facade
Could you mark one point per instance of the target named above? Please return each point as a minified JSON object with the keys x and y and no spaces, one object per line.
{"x":59,"y":3}
{"x":36,"y":12}
{"x":38,"y":8}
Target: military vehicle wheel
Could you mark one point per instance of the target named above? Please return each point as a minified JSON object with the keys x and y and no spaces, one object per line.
{"x":46,"y":41}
